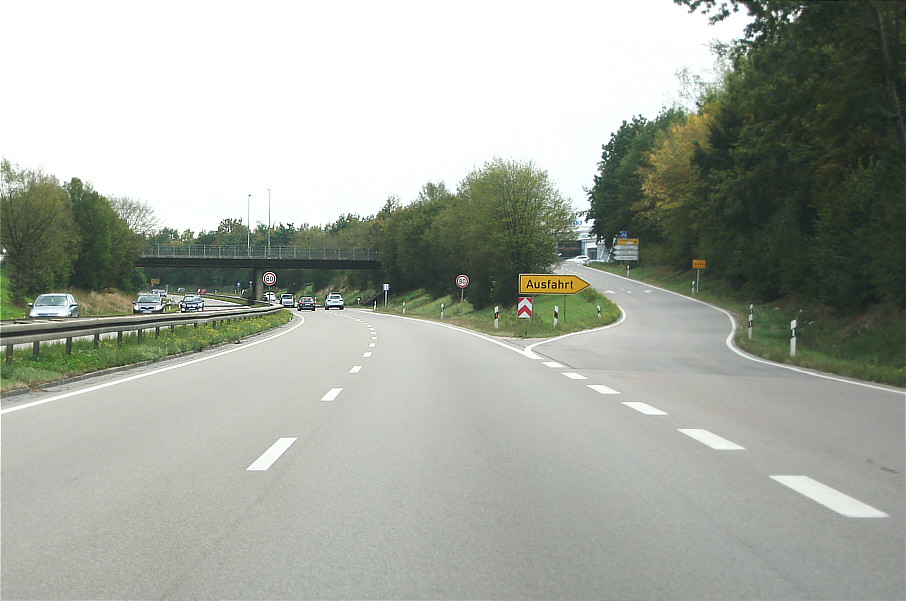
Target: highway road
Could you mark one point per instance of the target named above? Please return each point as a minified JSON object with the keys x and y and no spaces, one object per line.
{"x":358,"y":455}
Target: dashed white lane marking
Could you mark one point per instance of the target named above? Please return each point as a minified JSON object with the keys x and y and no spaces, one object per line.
{"x":602,"y":389}
{"x":829,"y":497}
{"x":553,"y":364}
{"x":271,"y":455}
{"x":574,"y":376}
{"x":355,"y":369}
{"x":712,"y":440}
{"x":645,"y":408}
{"x":366,"y":355}
{"x":332,"y":394}
{"x":372,"y":345}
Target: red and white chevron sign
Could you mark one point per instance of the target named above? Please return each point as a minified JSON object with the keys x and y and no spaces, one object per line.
{"x":524,"y":308}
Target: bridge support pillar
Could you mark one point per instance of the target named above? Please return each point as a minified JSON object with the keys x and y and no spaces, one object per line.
{"x":258,"y":278}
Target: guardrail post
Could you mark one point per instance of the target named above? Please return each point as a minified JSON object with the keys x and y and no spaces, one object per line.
{"x":9,"y":353}
{"x":69,"y":346}
{"x":97,"y":341}
{"x":35,"y":349}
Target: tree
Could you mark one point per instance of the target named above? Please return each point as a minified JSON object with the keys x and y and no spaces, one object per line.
{"x":36,"y":229}
{"x":138,"y":215}
{"x":617,"y":197}
{"x":107,"y":247}
{"x":512,"y":217}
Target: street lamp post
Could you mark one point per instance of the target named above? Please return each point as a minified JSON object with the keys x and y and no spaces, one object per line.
{"x":248,"y":216}
{"x":268,"y":222}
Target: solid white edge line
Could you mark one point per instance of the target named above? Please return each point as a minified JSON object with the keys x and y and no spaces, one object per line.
{"x":829,"y":497}
{"x":710,"y":439}
{"x":271,"y":455}
{"x":332,"y":394}
{"x":153,"y":372}
{"x":644,"y":408}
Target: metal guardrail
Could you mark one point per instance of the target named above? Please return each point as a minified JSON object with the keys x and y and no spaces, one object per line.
{"x":170,"y":251}
{"x":36,"y":331}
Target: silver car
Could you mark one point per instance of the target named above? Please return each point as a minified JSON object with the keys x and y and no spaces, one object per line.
{"x":149,"y":303}
{"x":54,"y":305}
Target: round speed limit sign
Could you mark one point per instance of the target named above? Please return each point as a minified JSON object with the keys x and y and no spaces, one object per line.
{"x":270,"y":278}
{"x":462,"y":281}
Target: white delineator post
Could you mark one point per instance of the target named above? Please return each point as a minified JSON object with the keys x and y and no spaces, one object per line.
{"x":793,"y":338}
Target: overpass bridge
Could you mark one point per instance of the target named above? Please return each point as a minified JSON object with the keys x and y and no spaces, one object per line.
{"x":257,"y":258}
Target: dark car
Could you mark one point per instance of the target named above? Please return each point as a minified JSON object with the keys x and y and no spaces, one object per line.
{"x":306,"y":303}
{"x":149,"y":303}
{"x":191,"y":302}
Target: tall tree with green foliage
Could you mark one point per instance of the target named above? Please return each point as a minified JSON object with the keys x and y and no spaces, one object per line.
{"x":107,"y":247}
{"x":617,"y":198}
{"x":512,"y":217}
{"x":805,"y":164}
{"x":36,"y":229}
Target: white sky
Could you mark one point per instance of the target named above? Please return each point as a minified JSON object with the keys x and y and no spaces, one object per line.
{"x":192,"y":105}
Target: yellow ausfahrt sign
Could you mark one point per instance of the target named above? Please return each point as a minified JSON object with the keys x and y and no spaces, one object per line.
{"x":545,"y":283}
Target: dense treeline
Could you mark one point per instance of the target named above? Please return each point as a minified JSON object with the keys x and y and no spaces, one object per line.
{"x":789,"y":178}
{"x":56,"y":235}
{"x":506,"y":218}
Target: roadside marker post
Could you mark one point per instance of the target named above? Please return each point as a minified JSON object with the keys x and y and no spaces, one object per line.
{"x":793,"y":325}
{"x":751,"y":319}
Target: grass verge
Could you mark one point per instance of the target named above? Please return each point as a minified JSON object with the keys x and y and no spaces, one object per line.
{"x":576,"y":312}
{"x":24,"y":371}
{"x":870,"y":345}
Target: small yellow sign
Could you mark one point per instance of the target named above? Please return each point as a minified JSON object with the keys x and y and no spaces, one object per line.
{"x":698,"y":263}
{"x":545,"y":283}
{"x":155,"y":281}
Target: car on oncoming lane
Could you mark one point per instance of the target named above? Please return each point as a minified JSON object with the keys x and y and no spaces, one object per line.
{"x":57,"y":304}
{"x":270,"y":297}
{"x":149,"y":303}
{"x":306,"y":303}
{"x":191,"y":302}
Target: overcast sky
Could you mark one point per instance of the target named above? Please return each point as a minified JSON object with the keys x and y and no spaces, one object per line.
{"x":191,"y":106}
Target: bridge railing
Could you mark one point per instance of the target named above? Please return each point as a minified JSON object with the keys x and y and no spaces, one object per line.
{"x":258,"y":252}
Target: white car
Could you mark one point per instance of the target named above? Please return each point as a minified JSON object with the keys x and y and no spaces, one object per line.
{"x":287,"y":300}
{"x":270,"y":297}
{"x":581,"y":259}
{"x":54,"y":305}
{"x":335,"y":300}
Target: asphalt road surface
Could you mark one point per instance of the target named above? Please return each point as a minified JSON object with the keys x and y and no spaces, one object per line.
{"x":358,"y":455}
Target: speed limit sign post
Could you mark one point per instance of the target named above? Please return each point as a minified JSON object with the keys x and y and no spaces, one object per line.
{"x":269,"y":278}
{"x":462,"y":281}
